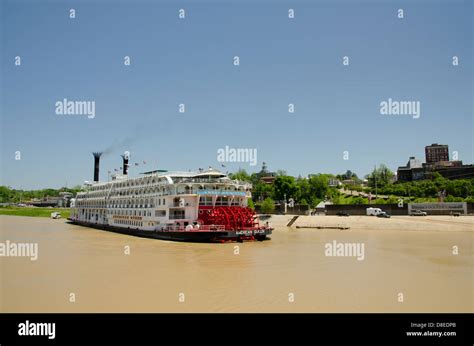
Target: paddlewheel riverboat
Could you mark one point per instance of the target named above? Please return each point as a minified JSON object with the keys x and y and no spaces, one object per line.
{"x":203,"y":206}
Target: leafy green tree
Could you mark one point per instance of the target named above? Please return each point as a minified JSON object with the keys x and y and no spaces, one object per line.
{"x":453,"y":199}
{"x":254,"y":178}
{"x":303,"y":202}
{"x":262,"y":190}
{"x":358,"y":200}
{"x":319,"y":185}
{"x":241,"y":174}
{"x":303,"y":190}
{"x":268,"y":205}
{"x":380,"y":176}
{"x":5,"y":194}
{"x":350,"y":175}
{"x":284,"y":185}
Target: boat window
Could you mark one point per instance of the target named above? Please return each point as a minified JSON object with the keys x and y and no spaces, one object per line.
{"x":205,"y":200}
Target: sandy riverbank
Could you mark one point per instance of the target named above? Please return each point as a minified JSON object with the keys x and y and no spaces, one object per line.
{"x":401,"y":223}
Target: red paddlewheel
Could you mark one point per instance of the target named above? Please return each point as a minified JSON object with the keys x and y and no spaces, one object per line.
{"x":231,"y":217}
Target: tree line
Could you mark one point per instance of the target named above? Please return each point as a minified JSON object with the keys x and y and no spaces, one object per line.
{"x":312,"y":189}
{"x":10,"y":195}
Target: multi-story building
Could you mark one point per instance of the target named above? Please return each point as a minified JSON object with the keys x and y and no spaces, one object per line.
{"x":413,"y":170}
{"x":437,"y":161}
{"x":436,"y":153}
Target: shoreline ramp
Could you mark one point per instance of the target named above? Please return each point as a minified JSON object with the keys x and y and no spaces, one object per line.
{"x":292,"y":221}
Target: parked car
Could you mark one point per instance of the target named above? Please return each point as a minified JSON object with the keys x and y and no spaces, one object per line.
{"x":383,"y":214}
{"x":56,"y":215}
{"x":418,"y":212}
{"x":373,"y":211}
{"x":342,"y":213}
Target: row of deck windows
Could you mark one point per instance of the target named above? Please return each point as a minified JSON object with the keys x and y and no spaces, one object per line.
{"x":220,"y":201}
{"x":124,"y":189}
{"x":130,"y":212}
{"x":130,"y":223}
{"x":122,"y":204}
{"x":129,"y":182}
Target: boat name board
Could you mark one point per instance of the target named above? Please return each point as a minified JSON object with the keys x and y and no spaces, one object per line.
{"x":125,"y":217}
{"x":221,"y":193}
{"x":251,"y":232}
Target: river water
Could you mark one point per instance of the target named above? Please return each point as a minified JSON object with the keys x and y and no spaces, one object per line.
{"x":290,"y":273}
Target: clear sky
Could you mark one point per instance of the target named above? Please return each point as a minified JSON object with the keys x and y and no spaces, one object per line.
{"x":190,"y":61}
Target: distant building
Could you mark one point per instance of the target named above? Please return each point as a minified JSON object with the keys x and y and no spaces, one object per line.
{"x":334,"y":182}
{"x":269,"y":179}
{"x":321,"y":207}
{"x":62,"y":201}
{"x":436,"y":153}
{"x":447,"y":164}
{"x":65,"y":200}
{"x":437,"y":161}
{"x":413,"y":170}
{"x":48,"y":201}
{"x":455,"y":171}
{"x":266,"y":176}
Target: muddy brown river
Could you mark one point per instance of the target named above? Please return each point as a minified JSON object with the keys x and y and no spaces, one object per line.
{"x":80,"y":269}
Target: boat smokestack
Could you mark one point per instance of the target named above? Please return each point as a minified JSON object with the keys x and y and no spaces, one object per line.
{"x":125,"y":157}
{"x":96,"y":165}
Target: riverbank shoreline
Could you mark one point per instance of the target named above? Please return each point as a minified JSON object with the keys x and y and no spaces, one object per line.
{"x":401,"y":223}
{"x":464,"y":223}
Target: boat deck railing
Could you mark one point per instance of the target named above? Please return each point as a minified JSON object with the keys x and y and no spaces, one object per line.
{"x":211,"y":228}
{"x":202,"y":228}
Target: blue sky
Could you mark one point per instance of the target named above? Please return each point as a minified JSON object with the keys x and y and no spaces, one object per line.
{"x":190,"y":61}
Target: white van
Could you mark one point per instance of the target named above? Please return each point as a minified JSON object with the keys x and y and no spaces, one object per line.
{"x":373,"y":211}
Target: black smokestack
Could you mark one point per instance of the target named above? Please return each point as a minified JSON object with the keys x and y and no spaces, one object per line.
{"x":96,"y":165}
{"x":125,"y":163}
